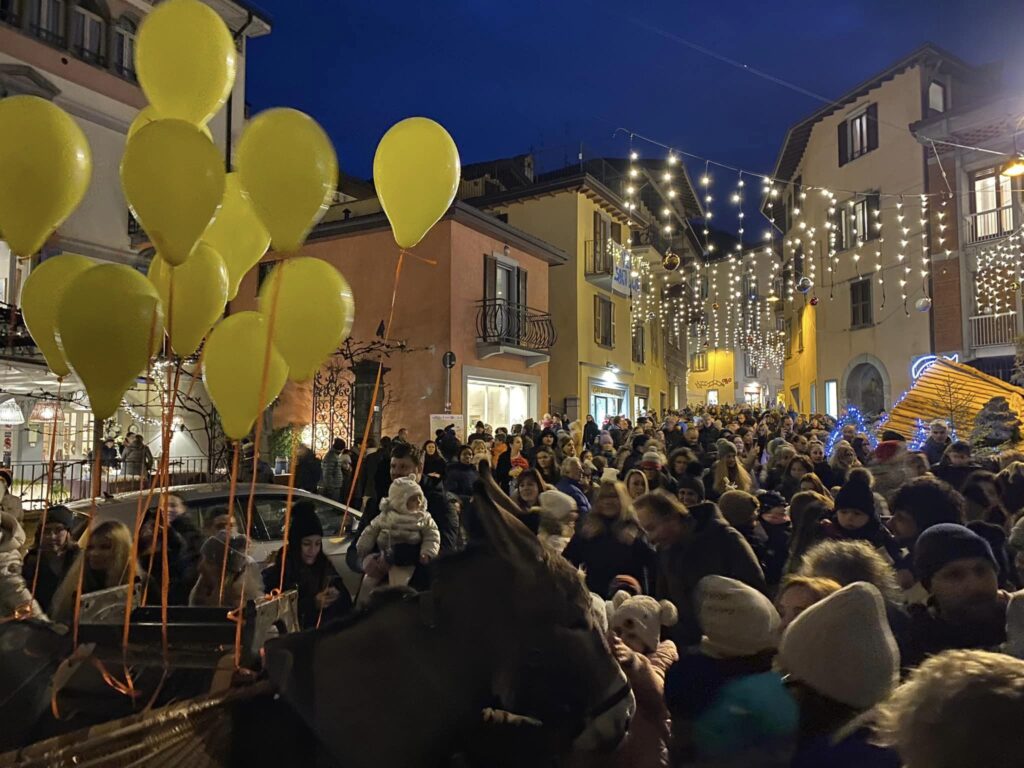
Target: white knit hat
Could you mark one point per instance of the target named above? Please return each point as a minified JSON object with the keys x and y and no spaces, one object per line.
{"x":735,"y":619}
{"x":403,"y":489}
{"x":610,"y":475}
{"x":638,"y":620}
{"x":557,"y":506}
{"x":842,"y":647}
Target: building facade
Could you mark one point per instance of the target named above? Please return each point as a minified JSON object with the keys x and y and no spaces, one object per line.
{"x":974,"y":148}
{"x":80,"y":55}
{"x":623,"y":226}
{"x":851,"y":203}
{"x":475,"y":287}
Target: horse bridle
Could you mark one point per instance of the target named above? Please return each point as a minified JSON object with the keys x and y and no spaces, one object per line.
{"x":617,"y":697}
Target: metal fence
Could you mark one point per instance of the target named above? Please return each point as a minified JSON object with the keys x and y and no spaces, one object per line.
{"x":73,"y":480}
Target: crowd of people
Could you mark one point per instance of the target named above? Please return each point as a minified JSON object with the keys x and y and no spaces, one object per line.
{"x":777,"y":591}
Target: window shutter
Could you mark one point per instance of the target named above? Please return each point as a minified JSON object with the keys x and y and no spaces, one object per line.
{"x":844,"y":149}
{"x":872,"y":127}
{"x":521,"y":280}
{"x":490,"y":276}
{"x":617,"y":232}
{"x":597,"y":319}
{"x":611,"y":317}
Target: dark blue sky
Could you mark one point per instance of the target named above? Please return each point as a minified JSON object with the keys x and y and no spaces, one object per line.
{"x":507,"y":76}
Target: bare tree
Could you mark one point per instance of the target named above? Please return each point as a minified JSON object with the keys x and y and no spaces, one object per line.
{"x":955,"y":402}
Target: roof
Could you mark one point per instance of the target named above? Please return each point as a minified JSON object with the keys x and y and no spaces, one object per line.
{"x":460,"y":212}
{"x":947,"y":388}
{"x":975,"y":124}
{"x":797,"y":136}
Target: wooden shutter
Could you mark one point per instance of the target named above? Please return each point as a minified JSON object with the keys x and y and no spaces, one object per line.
{"x":597,"y":230}
{"x":611,"y":323}
{"x":521,"y":281}
{"x":617,"y":232}
{"x":844,"y":149}
{"x":490,"y":276}
{"x":597,"y":320}
{"x":872,"y":127}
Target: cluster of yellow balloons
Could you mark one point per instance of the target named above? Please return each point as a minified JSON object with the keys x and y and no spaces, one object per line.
{"x":209,"y":227}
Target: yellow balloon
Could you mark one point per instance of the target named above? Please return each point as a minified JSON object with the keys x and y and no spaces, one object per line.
{"x":173,"y":178}
{"x":109,"y":349}
{"x":237,"y":233}
{"x":149,"y":115}
{"x":314,"y":313}
{"x":39,"y":301}
{"x":186,"y":60}
{"x":416,"y":172}
{"x":200,"y":293}
{"x":45,"y":166}
{"x":289,"y":170}
{"x":233,"y":371}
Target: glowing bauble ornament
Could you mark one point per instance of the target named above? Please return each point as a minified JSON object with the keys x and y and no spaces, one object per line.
{"x":814,"y":301}
{"x":715,"y":306}
{"x":923,"y":304}
{"x":670,"y":262}
{"x":804,"y":284}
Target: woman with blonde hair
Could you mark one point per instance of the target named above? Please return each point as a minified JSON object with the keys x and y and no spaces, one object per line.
{"x":844,"y":458}
{"x":105,"y":556}
{"x":636,"y":483}
{"x":611,"y":542}
{"x":728,"y":472}
{"x":811,"y":482}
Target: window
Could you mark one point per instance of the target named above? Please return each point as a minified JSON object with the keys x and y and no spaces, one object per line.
{"x":699,"y":362}
{"x":991,"y":205}
{"x":750,"y":287}
{"x":795,"y":394}
{"x":936,"y":96}
{"x":503,"y":316}
{"x":500,"y":404}
{"x":858,"y":219}
{"x":749,"y":369}
{"x":87,"y":35}
{"x":712,"y":397}
{"x":9,"y":11}
{"x":638,"y":344}
{"x":704,"y":289}
{"x":860,"y":303}
{"x":832,"y":398}
{"x":125,"y":51}
{"x":46,"y":18}
{"x":270,"y":510}
{"x":263,"y":272}
{"x":604,"y":322}
{"x":858,"y":134}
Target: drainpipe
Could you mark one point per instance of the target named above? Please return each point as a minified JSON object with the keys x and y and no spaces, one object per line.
{"x":231,"y":97}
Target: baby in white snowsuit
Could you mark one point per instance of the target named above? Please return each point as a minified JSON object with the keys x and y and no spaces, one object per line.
{"x":404,"y":531}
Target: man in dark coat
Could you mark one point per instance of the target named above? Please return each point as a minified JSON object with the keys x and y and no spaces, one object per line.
{"x":57,"y":552}
{"x":965,"y":608}
{"x":937,"y":442}
{"x":307,"y":469}
{"x":407,"y":460}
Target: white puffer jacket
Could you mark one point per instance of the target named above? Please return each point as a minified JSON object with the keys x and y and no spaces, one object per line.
{"x":399,"y":526}
{"x":14,"y":593}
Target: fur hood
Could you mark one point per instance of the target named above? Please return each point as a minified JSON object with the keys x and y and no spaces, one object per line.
{"x":12,"y":535}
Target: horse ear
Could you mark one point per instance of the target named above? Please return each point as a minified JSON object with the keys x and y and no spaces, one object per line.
{"x":493,"y":519}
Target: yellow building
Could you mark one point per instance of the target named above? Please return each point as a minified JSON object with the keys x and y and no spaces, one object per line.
{"x":849,"y":218}
{"x":612,"y":352}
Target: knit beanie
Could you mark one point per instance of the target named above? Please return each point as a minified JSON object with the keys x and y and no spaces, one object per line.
{"x":775,"y":443}
{"x":403,"y":489}
{"x":725,"y":448}
{"x":692,"y":483}
{"x":738,"y":507}
{"x":857,"y":494}
{"x":60,"y":514}
{"x":651,"y":460}
{"x":942,"y":544}
{"x":213,"y":551}
{"x":842,"y":647}
{"x":771,"y":500}
{"x":735,"y":619}
{"x":892,"y":434}
{"x":606,"y":440}
{"x":305,"y":522}
{"x":639,"y":441}
{"x":609,"y":475}
{"x":638,"y":620}
{"x":557,"y":506}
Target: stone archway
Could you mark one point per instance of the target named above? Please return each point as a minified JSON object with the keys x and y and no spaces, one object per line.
{"x":866,"y":385}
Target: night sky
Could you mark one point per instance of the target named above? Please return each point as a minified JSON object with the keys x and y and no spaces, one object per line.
{"x":546,"y":75}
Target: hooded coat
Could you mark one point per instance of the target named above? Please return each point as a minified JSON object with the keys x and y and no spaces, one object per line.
{"x":14,"y":592}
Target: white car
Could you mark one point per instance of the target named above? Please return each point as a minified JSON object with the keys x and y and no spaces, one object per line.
{"x":208,"y":501}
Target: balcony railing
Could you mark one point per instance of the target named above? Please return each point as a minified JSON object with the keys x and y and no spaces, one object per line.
{"x":51,"y":36}
{"x":653,"y":237}
{"x":15,"y":340}
{"x":514,"y":325}
{"x":994,"y":330}
{"x":988,"y":225}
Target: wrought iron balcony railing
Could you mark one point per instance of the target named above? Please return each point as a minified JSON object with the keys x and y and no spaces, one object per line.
{"x":514,"y":325}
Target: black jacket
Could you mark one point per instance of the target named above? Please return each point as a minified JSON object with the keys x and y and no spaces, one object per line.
{"x":931,"y":634}
{"x":49,"y":580}
{"x":307,"y":473}
{"x":604,"y":557}
{"x":459,"y":479}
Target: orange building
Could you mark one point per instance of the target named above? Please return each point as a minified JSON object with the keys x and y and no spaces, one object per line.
{"x":475,"y":287}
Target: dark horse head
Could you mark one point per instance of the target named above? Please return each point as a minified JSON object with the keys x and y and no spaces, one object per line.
{"x":504,"y":628}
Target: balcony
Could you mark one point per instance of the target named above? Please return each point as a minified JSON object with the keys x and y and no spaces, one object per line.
{"x":994,"y":330}
{"x":15,"y":341}
{"x":989,"y":225}
{"x":506,"y":328}
{"x":606,"y":264}
{"x":650,"y":244}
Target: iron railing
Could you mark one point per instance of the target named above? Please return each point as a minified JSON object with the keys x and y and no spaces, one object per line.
{"x":988,"y":225}
{"x":15,"y":340}
{"x":653,"y":237}
{"x":50,"y":36}
{"x":994,"y":330}
{"x":515,"y":325}
{"x":72,"y":480}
